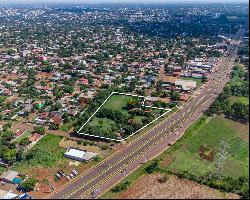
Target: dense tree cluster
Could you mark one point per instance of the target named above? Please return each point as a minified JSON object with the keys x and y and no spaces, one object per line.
{"x":238,"y":86}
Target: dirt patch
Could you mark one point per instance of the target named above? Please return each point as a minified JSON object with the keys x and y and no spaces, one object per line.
{"x":71,"y":143}
{"x":206,"y":153}
{"x":243,"y":130}
{"x":166,"y":162}
{"x":149,"y":187}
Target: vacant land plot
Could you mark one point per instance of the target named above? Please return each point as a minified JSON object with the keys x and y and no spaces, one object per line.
{"x":149,"y":187}
{"x":198,"y":81}
{"x":118,"y":102}
{"x":46,"y":153}
{"x":199,"y":153}
{"x":120,"y":117}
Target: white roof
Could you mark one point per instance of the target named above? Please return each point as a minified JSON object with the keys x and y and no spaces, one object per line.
{"x":7,"y":194}
{"x":75,"y":152}
{"x":186,"y":84}
{"x":9,"y":175}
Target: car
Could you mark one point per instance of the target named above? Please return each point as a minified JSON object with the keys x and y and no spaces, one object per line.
{"x":68,"y":178}
{"x":74,"y":172}
{"x":71,"y":175}
{"x":61,"y":172}
{"x":58,"y":176}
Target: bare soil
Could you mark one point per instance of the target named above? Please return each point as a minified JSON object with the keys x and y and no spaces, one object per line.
{"x":149,"y":187}
{"x":206,"y":153}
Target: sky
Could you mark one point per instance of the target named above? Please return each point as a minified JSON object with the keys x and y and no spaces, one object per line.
{"x":119,"y":1}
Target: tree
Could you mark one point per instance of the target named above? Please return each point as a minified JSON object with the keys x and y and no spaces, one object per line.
{"x":39,"y":129}
{"x":29,"y":184}
{"x":53,"y":127}
{"x":152,"y":167}
{"x":175,"y":96}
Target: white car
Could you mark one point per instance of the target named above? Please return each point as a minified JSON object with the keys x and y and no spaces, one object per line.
{"x":68,"y":178}
{"x":74,"y":172}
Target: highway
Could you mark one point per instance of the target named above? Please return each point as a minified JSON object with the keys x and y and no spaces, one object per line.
{"x":112,"y":170}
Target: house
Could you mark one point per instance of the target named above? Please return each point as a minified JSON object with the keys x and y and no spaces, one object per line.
{"x":7,"y":194}
{"x":79,"y":155}
{"x":184,"y":97}
{"x":85,"y":98}
{"x":8,"y":176}
{"x":56,"y":120}
{"x":168,"y":81}
{"x":185,"y":85}
{"x":35,"y":137}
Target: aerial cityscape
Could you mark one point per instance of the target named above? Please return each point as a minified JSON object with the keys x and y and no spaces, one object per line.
{"x":124,"y":99}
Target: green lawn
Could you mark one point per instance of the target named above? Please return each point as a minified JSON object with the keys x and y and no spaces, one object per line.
{"x":234,"y":99}
{"x":211,"y":134}
{"x":66,"y":127}
{"x":2,"y":169}
{"x":117,"y":102}
{"x":46,"y":153}
{"x":198,"y":81}
{"x":102,"y":122}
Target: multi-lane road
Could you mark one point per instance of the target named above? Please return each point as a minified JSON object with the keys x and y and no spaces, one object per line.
{"x":101,"y":177}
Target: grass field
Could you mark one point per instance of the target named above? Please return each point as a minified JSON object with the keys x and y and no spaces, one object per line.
{"x":184,"y":153}
{"x":46,"y":153}
{"x":102,"y":122}
{"x":117,"y":102}
{"x":211,"y":134}
{"x":234,"y":99}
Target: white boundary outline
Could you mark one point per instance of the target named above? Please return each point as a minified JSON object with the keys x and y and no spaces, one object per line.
{"x":121,"y":140}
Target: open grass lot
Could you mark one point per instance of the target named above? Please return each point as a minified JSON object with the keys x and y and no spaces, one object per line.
{"x":210,"y":134}
{"x":117,"y":102}
{"x":243,"y":100}
{"x":103,"y":123}
{"x":46,"y":153}
{"x":198,"y":81}
{"x":184,"y":154}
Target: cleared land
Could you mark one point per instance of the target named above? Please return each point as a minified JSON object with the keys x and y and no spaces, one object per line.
{"x":190,"y":156}
{"x":198,"y":81}
{"x":149,"y":187}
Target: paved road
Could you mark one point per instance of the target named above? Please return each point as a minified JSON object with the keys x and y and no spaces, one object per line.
{"x":112,"y":170}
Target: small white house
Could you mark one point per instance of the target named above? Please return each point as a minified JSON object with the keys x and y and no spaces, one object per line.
{"x":79,"y":155}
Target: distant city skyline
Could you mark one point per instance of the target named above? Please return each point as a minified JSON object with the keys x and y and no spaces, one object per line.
{"x":124,"y":1}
